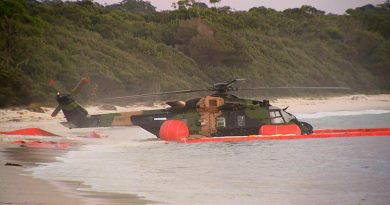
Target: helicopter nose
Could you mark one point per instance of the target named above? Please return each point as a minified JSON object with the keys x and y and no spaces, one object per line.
{"x":306,"y":128}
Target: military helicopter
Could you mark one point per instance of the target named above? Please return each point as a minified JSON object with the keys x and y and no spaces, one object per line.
{"x":218,"y":114}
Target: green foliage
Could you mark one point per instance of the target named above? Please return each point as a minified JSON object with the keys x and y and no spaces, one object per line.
{"x":130,"y":48}
{"x":375,"y":18}
{"x":133,"y":6}
{"x":14,"y":87}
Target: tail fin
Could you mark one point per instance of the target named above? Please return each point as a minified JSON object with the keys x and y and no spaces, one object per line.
{"x":74,"y":112}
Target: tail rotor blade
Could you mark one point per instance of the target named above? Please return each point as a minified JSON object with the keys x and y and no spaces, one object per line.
{"x":56,"y":111}
{"x":80,"y":85}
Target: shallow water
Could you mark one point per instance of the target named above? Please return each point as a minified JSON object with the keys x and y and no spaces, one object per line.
{"x":311,"y":171}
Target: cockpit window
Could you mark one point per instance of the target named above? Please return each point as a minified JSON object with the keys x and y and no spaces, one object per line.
{"x":276,"y":117}
{"x":287,"y":116}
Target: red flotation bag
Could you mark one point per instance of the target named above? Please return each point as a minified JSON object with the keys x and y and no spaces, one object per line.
{"x":280,"y":129}
{"x":30,"y":131}
{"x":174,"y":130}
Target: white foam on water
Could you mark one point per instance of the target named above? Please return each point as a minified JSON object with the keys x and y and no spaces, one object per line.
{"x":341,"y":113}
{"x":129,"y":161}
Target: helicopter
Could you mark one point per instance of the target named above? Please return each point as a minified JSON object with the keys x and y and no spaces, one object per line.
{"x":215,"y":115}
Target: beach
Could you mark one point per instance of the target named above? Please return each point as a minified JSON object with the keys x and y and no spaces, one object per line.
{"x":330,"y":104}
{"x":17,"y":186}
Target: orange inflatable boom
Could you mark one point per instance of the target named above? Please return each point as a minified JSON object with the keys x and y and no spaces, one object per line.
{"x":366,"y":132}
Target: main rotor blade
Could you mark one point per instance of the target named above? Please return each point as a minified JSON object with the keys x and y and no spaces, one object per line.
{"x":56,"y":111}
{"x":296,"y":88}
{"x":235,"y":80}
{"x":152,"y":94}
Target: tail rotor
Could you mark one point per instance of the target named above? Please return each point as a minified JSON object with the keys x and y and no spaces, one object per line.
{"x":61,"y":91}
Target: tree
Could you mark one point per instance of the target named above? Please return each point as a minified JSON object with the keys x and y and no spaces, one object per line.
{"x":184,"y":4}
{"x":133,"y":6}
{"x":16,"y":24}
{"x":214,"y":2}
{"x":199,"y":5}
{"x":375,"y":18}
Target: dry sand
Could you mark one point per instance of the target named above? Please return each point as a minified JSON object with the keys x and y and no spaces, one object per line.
{"x":17,"y":187}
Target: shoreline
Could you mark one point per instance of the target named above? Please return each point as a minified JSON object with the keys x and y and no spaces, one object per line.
{"x":334,"y":104}
{"x":18,"y":186}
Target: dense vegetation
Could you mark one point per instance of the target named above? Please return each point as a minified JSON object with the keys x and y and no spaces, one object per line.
{"x":131,"y":48}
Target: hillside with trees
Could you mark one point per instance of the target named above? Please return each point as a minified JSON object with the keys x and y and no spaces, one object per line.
{"x":129,"y":47}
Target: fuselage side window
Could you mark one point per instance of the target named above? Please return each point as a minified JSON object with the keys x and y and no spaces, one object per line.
{"x":241,"y":121}
{"x":221,"y":122}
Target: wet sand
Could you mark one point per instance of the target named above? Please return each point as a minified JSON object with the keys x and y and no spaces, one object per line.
{"x":17,"y":187}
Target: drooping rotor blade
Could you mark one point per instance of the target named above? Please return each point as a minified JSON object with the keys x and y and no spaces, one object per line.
{"x":152,"y":94}
{"x":56,"y":111}
{"x":80,"y":85}
{"x":296,"y":88}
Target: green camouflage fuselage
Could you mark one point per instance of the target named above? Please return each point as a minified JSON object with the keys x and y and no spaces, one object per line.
{"x":212,"y":116}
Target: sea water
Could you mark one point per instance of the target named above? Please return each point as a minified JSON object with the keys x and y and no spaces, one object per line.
{"x":310,"y":171}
